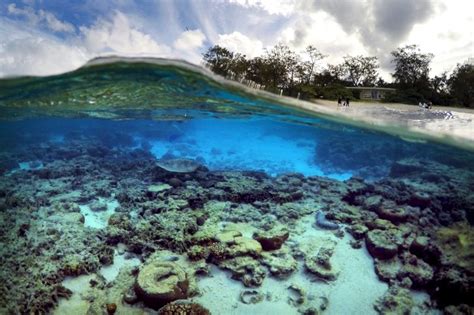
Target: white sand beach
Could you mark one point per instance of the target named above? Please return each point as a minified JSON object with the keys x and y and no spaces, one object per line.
{"x":451,"y":124}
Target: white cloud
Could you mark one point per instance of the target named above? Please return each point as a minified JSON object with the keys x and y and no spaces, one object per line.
{"x":282,"y":7}
{"x":41,"y":18}
{"x":189,"y":40}
{"x":238,"y":42}
{"x":310,"y":29}
{"x":27,"y":12}
{"x":245,"y":26}
{"x":48,"y":57}
{"x":119,"y":36}
{"x":27,"y":52}
{"x":53,"y":23}
{"x":449,"y":35}
{"x":187,"y":46}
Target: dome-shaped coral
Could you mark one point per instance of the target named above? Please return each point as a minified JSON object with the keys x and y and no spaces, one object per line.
{"x":161,"y":282}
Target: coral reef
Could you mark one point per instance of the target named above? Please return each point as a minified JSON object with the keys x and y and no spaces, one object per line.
{"x":395,"y":301}
{"x":383,"y":244}
{"x":251,"y":296}
{"x":280,"y":263}
{"x":36,"y":249}
{"x":319,"y":263}
{"x":298,"y":295}
{"x":180,"y":308}
{"x":159,"y":283}
{"x":416,"y":223}
{"x":272,"y":239}
{"x":245,"y":269}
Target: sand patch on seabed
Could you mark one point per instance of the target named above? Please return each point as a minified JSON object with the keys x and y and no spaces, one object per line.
{"x":120,"y":260}
{"x":99,"y":219}
{"x":354,"y":292}
{"x":76,"y":304}
{"x":357,"y":286}
{"x":26,"y":166}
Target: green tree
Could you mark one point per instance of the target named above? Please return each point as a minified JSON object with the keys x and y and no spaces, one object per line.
{"x":382,"y":83}
{"x":257,"y":71}
{"x":337,"y":71}
{"x":279,"y":63}
{"x":411,"y":75}
{"x":439,"y":84}
{"x":218,"y":59}
{"x":308,"y":67}
{"x":412,"y":67}
{"x":461,"y":84}
{"x":293,"y":69}
{"x":360,"y":70}
{"x":239,"y":66}
{"x":439,"y":90}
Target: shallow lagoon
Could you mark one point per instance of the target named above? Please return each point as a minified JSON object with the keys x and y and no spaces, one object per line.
{"x":83,"y":202}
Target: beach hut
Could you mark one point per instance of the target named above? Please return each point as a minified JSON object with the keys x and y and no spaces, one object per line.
{"x":372,"y":93}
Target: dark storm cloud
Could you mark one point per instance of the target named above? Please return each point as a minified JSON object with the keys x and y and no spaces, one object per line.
{"x":300,"y":34}
{"x":301,"y":31}
{"x":391,"y":19}
{"x":394,"y":19}
{"x":348,"y":13}
{"x":381,"y":24}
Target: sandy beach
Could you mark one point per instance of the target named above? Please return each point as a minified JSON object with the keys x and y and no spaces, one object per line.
{"x":363,"y":105}
{"x":448,"y":124}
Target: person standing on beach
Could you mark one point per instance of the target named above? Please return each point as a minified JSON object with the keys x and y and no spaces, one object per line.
{"x":347,"y":101}
{"x":339,"y":101}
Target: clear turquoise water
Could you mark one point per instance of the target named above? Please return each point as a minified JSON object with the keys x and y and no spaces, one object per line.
{"x":257,"y":142}
{"x":62,"y":128}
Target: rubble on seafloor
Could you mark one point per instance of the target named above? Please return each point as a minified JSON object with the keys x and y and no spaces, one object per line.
{"x":416,"y":224}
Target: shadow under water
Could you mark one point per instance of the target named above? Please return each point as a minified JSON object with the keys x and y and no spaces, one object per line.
{"x":126,"y":187}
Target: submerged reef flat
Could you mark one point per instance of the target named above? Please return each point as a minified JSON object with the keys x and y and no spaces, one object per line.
{"x":97,"y":229}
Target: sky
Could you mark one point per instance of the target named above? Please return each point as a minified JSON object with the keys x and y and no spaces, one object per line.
{"x":42,"y":37}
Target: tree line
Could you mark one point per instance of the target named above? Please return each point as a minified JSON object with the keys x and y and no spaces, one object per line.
{"x":302,"y":74}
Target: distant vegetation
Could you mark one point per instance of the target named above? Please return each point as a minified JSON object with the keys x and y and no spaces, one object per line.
{"x":281,"y":69}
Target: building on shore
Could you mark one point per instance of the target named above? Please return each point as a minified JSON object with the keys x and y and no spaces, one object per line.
{"x":372,"y":93}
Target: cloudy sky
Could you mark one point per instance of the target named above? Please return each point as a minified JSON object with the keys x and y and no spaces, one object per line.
{"x":51,"y":36}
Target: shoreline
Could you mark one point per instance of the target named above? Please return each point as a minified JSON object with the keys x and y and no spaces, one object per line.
{"x":398,"y":106}
{"x":448,"y":125}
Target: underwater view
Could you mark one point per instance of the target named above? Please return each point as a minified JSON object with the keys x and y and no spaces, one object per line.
{"x":154,"y":188}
